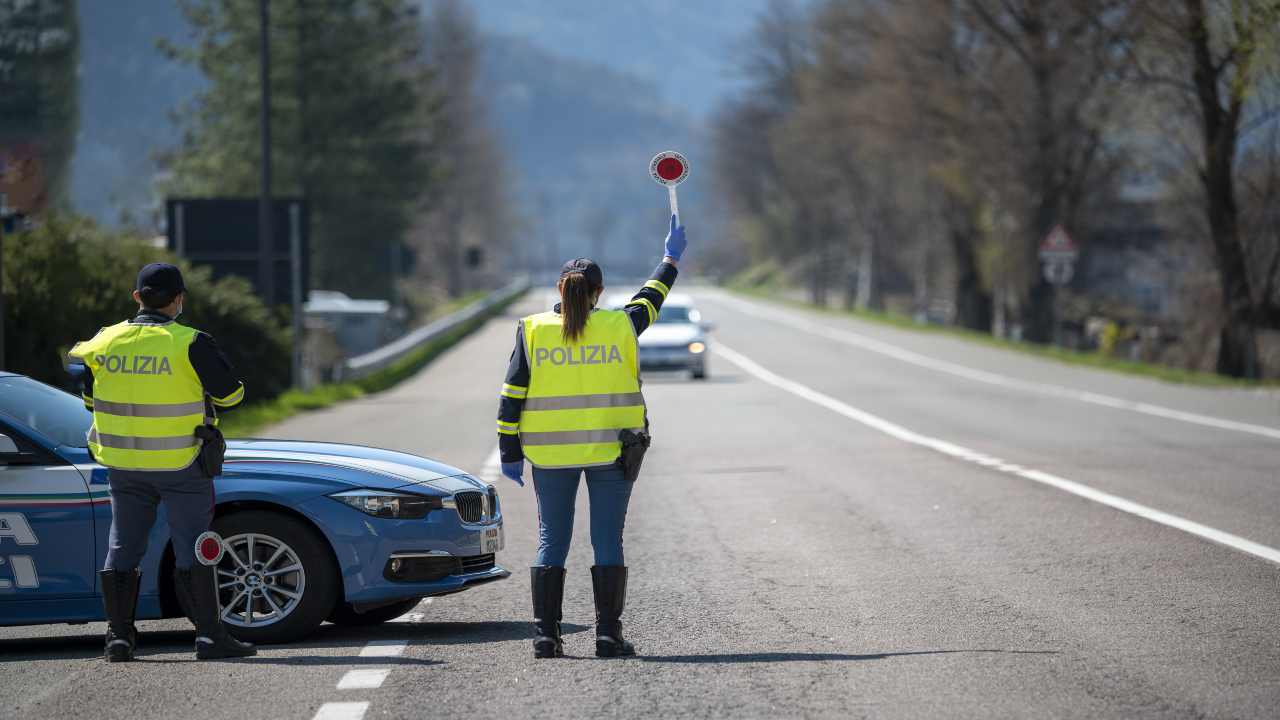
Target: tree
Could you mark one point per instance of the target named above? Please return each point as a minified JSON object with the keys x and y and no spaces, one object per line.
{"x":1208,"y":58}
{"x":472,"y":209}
{"x":1052,"y":72}
{"x":351,"y":129}
{"x":39,"y":85}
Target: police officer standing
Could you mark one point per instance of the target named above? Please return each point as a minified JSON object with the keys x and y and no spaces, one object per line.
{"x":570,"y":404}
{"x":151,"y":383}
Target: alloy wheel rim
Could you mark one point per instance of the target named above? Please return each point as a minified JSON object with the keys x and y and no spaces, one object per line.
{"x":261,"y":580}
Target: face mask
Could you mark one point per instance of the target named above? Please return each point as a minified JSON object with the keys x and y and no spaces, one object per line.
{"x":178,"y":313}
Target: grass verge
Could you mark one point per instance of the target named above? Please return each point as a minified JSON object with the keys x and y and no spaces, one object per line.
{"x":247,"y":420}
{"x":1063,"y":355}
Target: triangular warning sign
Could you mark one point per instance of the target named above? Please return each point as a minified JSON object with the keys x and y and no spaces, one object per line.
{"x":1058,"y":244}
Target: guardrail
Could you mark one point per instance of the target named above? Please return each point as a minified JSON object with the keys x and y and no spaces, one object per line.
{"x":361,"y":365}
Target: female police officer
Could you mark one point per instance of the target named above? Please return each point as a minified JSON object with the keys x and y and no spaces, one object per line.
{"x":572,"y":386}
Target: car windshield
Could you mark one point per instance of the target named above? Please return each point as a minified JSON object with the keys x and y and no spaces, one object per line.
{"x":675,"y":314}
{"x":57,"y":415}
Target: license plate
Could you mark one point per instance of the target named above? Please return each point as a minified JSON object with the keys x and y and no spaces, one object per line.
{"x":491,"y":540}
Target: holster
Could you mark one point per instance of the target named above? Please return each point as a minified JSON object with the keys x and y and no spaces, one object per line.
{"x":634,"y":446}
{"x":212,"y":450}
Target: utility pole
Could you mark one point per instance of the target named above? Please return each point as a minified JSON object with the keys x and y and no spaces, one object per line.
{"x":266,"y":236}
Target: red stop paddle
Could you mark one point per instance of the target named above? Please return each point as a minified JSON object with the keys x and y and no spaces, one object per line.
{"x":669,"y":168}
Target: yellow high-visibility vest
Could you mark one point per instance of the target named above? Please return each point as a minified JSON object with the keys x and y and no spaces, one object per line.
{"x":581,"y":393}
{"x":147,"y":398}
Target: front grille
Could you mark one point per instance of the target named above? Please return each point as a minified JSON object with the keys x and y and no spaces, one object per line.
{"x":433,"y":568}
{"x":476,"y":563}
{"x":470,"y":506}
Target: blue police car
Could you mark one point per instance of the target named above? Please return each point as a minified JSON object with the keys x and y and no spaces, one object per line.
{"x":312,"y":531}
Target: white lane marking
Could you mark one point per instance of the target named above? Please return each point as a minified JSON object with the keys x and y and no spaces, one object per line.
{"x":492,"y":468}
{"x":364,"y":679}
{"x":962,"y":453}
{"x":341,"y":711}
{"x":794,"y":320}
{"x":384,"y":648}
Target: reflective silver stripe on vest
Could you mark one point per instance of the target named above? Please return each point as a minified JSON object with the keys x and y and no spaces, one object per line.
{"x":151,"y":410}
{"x":571,"y":437}
{"x":126,"y":442}
{"x":584,"y":402}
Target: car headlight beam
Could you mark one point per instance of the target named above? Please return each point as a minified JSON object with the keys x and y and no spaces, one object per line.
{"x":387,"y":504}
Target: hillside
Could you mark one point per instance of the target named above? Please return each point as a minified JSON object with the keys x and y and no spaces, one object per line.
{"x":579,"y":133}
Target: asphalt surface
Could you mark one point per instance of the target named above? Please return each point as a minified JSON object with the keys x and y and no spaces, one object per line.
{"x":823,"y":529}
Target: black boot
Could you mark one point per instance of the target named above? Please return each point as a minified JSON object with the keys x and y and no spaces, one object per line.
{"x":610,"y":585}
{"x":120,"y":600}
{"x":548,"y":595}
{"x":200,"y":598}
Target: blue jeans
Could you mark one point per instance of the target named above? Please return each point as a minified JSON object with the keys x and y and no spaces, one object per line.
{"x":557,"y":489}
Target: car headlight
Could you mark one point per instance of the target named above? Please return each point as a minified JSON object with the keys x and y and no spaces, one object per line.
{"x":386,"y":504}
{"x":697,"y":348}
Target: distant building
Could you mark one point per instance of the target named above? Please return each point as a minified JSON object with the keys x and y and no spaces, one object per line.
{"x":357,"y":326}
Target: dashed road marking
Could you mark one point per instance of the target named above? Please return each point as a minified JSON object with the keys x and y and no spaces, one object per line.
{"x":364,"y":679}
{"x":341,"y":711}
{"x":847,"y":337}
{"x":962,"y":453}
{"x":384,"y":648}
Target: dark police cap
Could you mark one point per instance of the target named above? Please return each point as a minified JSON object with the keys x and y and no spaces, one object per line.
{"x":589,"y":269}
{"x":162,"y":278}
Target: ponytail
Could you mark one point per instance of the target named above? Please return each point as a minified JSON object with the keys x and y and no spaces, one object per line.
{"x":575,"y":304}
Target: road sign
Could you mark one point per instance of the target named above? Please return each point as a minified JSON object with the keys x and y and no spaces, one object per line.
{"x":1058,"y":252}
{"x":1058,"y":245}
{"x":669,"y":168}
{"x":1058,"y":271}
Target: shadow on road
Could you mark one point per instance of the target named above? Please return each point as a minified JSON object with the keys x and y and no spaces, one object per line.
{"x":437,"y":633}
{"x":328,"y":637}
{"x":816,"y":657}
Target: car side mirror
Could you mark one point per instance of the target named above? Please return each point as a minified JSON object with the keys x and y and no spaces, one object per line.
{"x":10,"y":454}
{"x":707,"y":326}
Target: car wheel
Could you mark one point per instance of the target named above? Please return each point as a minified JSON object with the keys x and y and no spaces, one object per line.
{"x":344,"y":614}
{"x":276,"y":581}
{"x":700,"y":373}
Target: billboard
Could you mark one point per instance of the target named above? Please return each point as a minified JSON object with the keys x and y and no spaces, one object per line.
{"x":223,"y":234}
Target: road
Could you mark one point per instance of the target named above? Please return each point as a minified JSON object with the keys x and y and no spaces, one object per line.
{"x":846,"y":520}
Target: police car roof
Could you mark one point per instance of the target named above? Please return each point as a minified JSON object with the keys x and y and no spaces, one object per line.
{"x":8,"y":374}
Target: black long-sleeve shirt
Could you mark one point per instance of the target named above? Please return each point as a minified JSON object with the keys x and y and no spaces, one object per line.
{"x":223,"y":388}
{"x":643,"y":311}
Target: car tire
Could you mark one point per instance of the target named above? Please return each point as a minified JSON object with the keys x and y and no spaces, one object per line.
{"x":322,"y":588}
{"x":700,"y":373}
{"x":345,"y":615}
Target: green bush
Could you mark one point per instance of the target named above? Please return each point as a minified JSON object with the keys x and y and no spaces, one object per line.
{"x":66,"y":278}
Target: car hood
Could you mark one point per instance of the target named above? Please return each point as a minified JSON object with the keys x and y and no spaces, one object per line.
{"x":354,"y":464}
{"x":671,"y":334}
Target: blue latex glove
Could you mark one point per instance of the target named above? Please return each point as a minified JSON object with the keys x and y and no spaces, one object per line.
{"x":514,"y":471}
{"x":675,"y":240}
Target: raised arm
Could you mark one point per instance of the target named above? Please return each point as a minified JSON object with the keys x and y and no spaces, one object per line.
{"x":645,"y":305}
